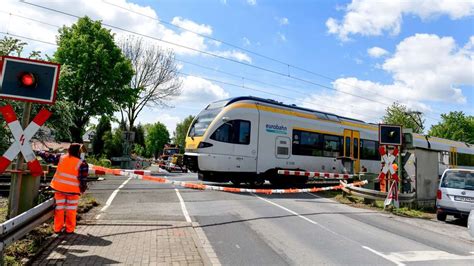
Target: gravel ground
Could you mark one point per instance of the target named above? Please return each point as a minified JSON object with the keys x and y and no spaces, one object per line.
{"x":3,"y":208}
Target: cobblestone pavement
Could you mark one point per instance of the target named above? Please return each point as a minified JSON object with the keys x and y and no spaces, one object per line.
{"x":126,"y":242}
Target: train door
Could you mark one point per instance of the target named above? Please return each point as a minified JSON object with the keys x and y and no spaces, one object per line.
{"x":352,"y":147}
{"x":453,"y":157}
{"x":246,"y":139}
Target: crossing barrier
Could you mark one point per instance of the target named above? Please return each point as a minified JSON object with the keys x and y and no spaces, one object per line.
{"x":220,"y":188}
{"x":315,"y":174}
{"x":95,"y":171}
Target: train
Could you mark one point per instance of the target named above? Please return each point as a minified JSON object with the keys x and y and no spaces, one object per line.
{"x":248,"y":139}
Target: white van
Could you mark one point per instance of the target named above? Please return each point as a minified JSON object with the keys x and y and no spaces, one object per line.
{"x":455,"y":194}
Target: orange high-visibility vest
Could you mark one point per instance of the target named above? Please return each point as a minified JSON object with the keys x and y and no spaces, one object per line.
{"x":65,"y":179}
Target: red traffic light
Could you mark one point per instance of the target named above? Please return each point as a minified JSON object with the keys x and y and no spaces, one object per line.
{"x":27,"y":80}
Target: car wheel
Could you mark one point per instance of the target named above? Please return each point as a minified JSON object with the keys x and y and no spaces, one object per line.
{"x":441,"y":216}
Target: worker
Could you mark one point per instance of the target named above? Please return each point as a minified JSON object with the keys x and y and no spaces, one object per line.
{"x":395,"y":167}
{"x":69,"y":182}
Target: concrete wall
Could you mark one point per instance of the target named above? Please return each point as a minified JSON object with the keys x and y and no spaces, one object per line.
{"x":427,"y":179}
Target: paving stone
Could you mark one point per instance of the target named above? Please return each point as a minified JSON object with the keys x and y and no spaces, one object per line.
{"x":112,"y":242}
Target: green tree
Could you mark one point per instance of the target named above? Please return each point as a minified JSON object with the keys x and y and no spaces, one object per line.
{"x":113,"y":143}
{"x":398,"y":114}
{"x":98,"y":73}
{"x":98,"y":141}
{"x":455,"y":126}
{"x":139,"y":142}
{"x":156,"y":137}
{"x":181,"y":131}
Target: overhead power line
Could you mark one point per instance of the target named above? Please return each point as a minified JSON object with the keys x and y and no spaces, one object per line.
{"x":213,"y":55}
{"x":242,"y":86}
{"x":289,"y":65}
{"x":203,"y":52}
{"x":287,"y":75}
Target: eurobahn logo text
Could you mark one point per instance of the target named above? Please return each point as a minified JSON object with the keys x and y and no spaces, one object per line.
{"x":276,"y":129}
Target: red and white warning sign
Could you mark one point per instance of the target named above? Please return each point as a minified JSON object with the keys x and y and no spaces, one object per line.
{"x":388,"y":160}
{"x":22,"y":139}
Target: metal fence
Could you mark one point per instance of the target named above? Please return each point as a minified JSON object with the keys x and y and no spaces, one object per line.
{"x":17,"y":227}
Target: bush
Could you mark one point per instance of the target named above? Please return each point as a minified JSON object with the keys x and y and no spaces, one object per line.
{"x":104,"y":162}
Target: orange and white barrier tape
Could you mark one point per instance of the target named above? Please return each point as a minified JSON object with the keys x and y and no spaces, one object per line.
{"x":94,"y":171}
{"x":219,"y":188}
{"x":315,"y":174}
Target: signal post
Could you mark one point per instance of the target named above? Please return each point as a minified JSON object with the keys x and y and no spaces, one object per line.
{"x":390,"y":136}
{"x":29,"y":81}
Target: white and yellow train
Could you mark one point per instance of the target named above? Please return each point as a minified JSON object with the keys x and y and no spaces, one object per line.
{"x":247,"y":139}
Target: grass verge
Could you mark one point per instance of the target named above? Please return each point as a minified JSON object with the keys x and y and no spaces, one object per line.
{"x":3,"y":209}
{"x":358,"y":202}
{"x":23,"y":250}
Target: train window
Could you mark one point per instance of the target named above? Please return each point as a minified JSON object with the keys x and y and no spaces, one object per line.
{"x":307,"y":143}
{"x":356,"y":148}
{"x":223,"y":133}
{"x":202,"y":122}
{"x":465,"y":159}
{"x":332,"y":146}
{"x":348,"y":147}
{"x":369,"y":150}
{"x":244,"y":132}
{"x":235,"y":131}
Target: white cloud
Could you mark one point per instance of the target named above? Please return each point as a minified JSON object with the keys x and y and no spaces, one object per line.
{"x":281,"y":36}
{"x":374,"y":17}
{"x":100,"y":10}
{"x":376,"y":52}
{"x":191,"y":25}
{"x":283,"y":21}
{"x":252,"y":2}
{"x":198,"y":90}
{"x":234,"y":54}
{"x":433,"y":66}
{"x":151,"y":116}
{"x":424,"y":68}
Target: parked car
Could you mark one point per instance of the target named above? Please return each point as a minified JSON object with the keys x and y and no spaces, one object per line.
{"x":455,"y":194}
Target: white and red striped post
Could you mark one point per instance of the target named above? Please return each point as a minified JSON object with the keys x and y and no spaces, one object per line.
{"x":21,"y":144}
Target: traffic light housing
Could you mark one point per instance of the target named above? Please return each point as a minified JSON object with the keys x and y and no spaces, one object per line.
{"x":28,"y":80}
{"x":390,"y":135}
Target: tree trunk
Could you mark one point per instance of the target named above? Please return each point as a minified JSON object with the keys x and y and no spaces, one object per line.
{"x":77,"y":130}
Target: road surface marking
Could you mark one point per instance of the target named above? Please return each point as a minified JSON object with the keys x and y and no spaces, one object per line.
{"x":288,"y":210}
{"x":112,"y":196}
{"x":183,"y":207}
{"x":384,"y":256}
{"x":329,"y":230}
{"x":411,"y":256}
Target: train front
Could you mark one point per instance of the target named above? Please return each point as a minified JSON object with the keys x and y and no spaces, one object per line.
{"x":195,"y":148}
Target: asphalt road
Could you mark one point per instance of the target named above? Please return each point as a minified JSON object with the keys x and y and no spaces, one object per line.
{"x":291,"y":229}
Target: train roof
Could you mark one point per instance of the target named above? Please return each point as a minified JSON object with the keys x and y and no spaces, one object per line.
{"x":319,"y":114}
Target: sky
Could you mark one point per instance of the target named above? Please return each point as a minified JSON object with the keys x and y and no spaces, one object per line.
{"x":351,"y":58}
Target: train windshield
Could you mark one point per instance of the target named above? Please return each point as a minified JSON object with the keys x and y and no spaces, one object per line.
{"x":203,"y":120}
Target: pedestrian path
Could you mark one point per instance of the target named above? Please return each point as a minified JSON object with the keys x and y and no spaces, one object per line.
{"x":126,"y":242}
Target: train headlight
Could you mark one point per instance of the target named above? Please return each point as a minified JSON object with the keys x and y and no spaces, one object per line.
{"x":203,"y":144}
